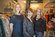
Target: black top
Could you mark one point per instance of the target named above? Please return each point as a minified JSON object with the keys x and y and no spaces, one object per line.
{"x":40,"y":25}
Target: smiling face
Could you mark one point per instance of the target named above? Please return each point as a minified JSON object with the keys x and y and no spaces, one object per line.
{"x":30,"y":14}
{"x":38,"y":13}
{"x":18,"y":9}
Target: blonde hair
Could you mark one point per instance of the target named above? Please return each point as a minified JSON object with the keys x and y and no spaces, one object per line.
{"x":16,"y":6}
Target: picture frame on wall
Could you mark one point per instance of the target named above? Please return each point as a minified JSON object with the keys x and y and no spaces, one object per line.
{"x":36,"y":1}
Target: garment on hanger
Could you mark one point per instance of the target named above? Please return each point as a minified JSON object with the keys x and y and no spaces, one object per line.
{"x":6,"y":26}
{"x":2,"y":30}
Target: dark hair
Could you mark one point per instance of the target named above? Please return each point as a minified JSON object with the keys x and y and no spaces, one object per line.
{"x":29,"y":9}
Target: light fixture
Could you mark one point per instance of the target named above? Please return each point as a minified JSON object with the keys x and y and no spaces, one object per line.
{"x":34,"y":6}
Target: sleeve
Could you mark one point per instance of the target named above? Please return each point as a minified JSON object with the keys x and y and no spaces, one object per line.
{"x":44,"y":25}
{"x":24,"y":28}
{"x":11,"y":19}
{"x":11,"y":23}
{"x":34,"y":23}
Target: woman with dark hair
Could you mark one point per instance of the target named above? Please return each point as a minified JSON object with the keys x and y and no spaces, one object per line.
{"x":28,"y":30}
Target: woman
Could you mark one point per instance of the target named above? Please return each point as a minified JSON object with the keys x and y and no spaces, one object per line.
{"x":40,"y":24}
{"x":16,"y":22}
{"x":28,"y":30}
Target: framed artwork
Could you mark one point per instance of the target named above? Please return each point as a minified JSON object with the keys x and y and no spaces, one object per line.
{"x":37,"y":1}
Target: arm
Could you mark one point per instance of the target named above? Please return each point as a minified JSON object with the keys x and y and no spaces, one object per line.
{"x":11,"y":23}
{"x":11,"y":27}
{"x":44,"y":25}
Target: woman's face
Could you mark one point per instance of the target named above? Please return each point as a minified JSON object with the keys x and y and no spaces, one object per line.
{"x":30,"y":14}
{"x":38,"y":14}
{"x":18,"y":9}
